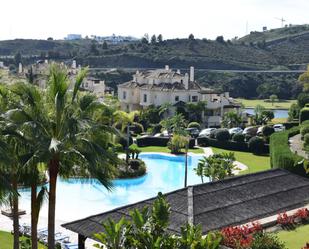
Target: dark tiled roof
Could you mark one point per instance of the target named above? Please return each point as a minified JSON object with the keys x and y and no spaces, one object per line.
{"x":214,"y":205}
{"x":162,"y":86}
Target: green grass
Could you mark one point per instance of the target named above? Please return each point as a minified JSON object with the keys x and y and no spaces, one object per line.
{"x":165,"y":149}
{"x":281,"y":104}
{"x":295,"y":239}
{"x":255,"y":163}
{"x":6,"y":241}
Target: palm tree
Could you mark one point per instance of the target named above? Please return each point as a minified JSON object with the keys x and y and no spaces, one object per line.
{"x":231,"y":119}
{"x":200,"y":169}
{"x":69,"y":138}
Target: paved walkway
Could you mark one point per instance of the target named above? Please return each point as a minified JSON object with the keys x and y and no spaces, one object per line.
{"x":296,"y":146}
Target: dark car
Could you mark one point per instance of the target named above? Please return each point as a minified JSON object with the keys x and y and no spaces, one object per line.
{"x":193,"y":132}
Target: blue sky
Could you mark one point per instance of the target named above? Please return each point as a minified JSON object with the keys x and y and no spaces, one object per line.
{"x":172,"y":18}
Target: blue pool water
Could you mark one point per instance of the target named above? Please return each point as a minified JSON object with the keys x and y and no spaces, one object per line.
{"x":78,"y":198}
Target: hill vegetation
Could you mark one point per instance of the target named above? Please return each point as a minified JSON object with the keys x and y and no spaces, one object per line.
{"x":278,"y":48}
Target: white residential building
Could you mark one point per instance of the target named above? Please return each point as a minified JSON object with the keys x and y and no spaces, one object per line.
{"x":161,"y":86}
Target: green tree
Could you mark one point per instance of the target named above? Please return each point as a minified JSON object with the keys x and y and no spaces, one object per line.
{"x":147,"y":228}
{"x":17,"y":58}
{"x":191,"y":37}
{"x":273,"y":98}
{"x":304,"y":80}
{"x":104,"y":45}
{"x":160,"y":39}
{"x":216,"y":166}
{"x":153,"y":39}
{"x":68,"y":137}
{"x":231,"y":119}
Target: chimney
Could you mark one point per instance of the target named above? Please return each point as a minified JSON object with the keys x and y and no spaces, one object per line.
{"x":186,"y":81}
{"x":178,"y":71}
{"x":167,"y":67}
{"x":191,"y":74}
{"x":74,"y":64}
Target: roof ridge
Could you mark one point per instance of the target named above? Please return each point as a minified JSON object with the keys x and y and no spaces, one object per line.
{"x":190,"y":205}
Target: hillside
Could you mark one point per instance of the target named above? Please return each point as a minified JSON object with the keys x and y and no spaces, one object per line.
{"x":278,"y":48}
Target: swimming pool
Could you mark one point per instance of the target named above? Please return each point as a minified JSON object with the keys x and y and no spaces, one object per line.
{"x":78,"y":198}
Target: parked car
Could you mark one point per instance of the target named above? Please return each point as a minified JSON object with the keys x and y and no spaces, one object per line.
{"x":279,"y":127}
{"x":193,"y":132}
{"x":251,"y":130}
{"x":260,"y":131}
{"x":162,"y":134}
{"x":206,"y":132}
{"x":235,"y":130}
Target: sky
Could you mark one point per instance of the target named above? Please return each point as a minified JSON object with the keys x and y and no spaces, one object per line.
{"x":40,"y":19}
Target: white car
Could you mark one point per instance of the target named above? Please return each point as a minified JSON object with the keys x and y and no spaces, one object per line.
{"x":206,"y":132}
{"x":279,"y":127}
{"x":233,"y":131}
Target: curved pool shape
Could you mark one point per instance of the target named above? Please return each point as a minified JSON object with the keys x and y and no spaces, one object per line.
{"x":78,"y":198}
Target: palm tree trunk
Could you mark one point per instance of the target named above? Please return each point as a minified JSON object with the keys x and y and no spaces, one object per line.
{"x":15,"y":215}
{"x":53,"y":174}
{"x":34,"y":217}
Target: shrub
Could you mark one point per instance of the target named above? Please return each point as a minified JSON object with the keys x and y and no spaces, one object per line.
{"x":228,"y":145}
{"x":123,"y":141}
{"x":118,"y":148}
{"x":306,"y":139}
{"x":304,"y":114}
{"x":137,"y":168}
{"x":222,"y":134}
{"x":256,"y":145}
{"x":302,"y":214}
{"x":304,"y":130}
{"x":280,"y":154}
{"x":240,"y":236}
{"x":285,"y":220}
{"x":134,"y":151}
{"x":267,"y":131}
{"x":267,"y":241}
{"x":137,"y":128}
{"x":177,"y":143}
{"x":238,"y":137}
{"x":194,"y":125}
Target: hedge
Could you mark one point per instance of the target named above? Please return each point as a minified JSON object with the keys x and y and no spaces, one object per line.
{"x":228,"y":145}
{"x":304,"y":114}
{"x":280,"y":154}
{"x":158,"y":141}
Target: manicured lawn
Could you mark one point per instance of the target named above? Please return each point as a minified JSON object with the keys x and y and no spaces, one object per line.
{"x":254,"y":163}
{"x":295,"y":239}
{"x":165,"y":149}
{"x":282,"y":104}
{"x":6,"y":241}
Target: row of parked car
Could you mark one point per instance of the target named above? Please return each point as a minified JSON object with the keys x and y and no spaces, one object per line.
{"x":251,"y":130}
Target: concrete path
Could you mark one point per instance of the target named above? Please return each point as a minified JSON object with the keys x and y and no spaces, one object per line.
{"x":296,"y":146}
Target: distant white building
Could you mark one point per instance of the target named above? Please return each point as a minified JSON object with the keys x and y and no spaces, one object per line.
{"x":73,"y":37}
{"x":161,"y":86}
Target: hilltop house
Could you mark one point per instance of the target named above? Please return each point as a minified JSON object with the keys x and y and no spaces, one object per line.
{"x":39,"y":72}
{"x":161,"y":86}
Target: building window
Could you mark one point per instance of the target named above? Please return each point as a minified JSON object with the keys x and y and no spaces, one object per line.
{"x":124,"y":94}
{"x":194,"y":98}
{"x":145,"y":98}
{"x":176,"y":98}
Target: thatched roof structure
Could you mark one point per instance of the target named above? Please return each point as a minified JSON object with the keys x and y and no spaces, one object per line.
{"x":215,"y":205}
